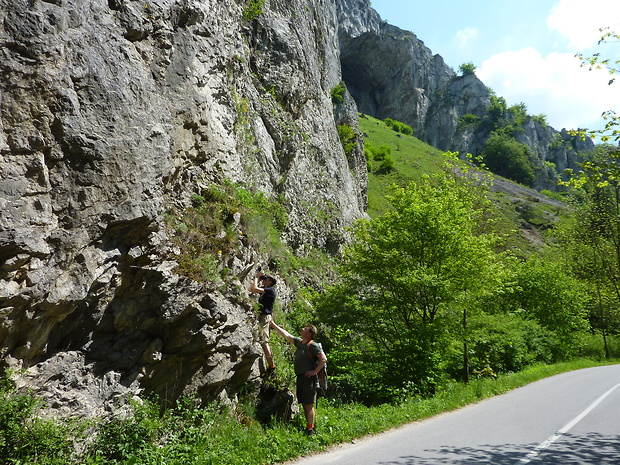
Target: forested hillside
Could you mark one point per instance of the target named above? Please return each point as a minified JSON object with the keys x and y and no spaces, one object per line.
{"x":460,"y":273}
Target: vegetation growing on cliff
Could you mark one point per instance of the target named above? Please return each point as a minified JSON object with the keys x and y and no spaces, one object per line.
{"x":220,"y":217}
{"x":253,"y":9}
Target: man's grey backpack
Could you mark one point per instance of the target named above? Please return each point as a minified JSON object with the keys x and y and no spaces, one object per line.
{"x":321,"y":382}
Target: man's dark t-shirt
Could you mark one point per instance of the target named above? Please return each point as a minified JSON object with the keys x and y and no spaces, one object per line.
{"x":266,"y":300}
{"x":305,"y":361}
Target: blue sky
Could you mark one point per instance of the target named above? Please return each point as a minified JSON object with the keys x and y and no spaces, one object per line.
{"x":525,"y":51}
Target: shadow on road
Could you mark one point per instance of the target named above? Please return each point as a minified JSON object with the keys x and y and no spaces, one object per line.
{"x":593,"y":448}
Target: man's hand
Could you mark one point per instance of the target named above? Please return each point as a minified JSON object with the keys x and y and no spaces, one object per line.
{"x":254,"y":287}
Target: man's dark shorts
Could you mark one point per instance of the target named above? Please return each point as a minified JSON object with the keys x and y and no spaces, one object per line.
{"x":306,"y":390}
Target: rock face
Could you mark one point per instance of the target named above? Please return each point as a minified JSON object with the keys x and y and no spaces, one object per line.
{"x":392,"y":74}
{"x":114,"y":111}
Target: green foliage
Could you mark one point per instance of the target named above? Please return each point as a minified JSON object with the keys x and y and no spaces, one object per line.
{"x":348,"y":138}
{"x":560,"y":196}
{"x":541,"y":290}
{"x":26,"y":438}
{"x":398,"y":126}
{"x":519,"y":113}
{"x":337,"y":94}
{"x":505,"y":344}
{"x":592,"y":239}
{"x":208,"y":231}
{"x":402,"y":274}
{"x":381,"y":154}
{"x":497,"y":111}
{"x":468,"y":121}
{"x":467,"y":68}
{"x":610,"y":132}
{"x":190,"y":433}
{"x":540,"y":119}
{"x":598,"y":62}
{"x":507,"y":157}
{"x":122,"y":437}
{"x":253,"y":10}
{"x":411,"y":157}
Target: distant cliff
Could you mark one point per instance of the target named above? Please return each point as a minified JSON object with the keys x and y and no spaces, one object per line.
{"x":392,"y":74}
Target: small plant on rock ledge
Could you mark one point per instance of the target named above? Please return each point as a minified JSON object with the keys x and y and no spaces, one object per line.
{"x":219,"y":220}
{"x":348,"y":138}
{"x":253,"y":10}
{"x":337,"y":94}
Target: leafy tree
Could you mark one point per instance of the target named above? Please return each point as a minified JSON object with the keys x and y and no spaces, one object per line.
{"x":545,"y":291}
{"x":506,"y":157}
{"x":497,"y":109}
{"x":500,"y":344}
{"x":404,"y":276}
{"x":253,"y":10}
{"x":596,"y":61}
{"x":519,"y":117}
{"x":594,"y":238}
{"x":467,"y":68}
{"x":469,"y":120}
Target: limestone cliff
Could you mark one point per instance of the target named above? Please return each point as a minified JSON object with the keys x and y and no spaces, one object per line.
{"x":112,"y":113}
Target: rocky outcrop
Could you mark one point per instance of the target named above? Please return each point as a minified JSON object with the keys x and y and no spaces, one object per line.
{"x":392,"y":74}
{"x":112,"y":113}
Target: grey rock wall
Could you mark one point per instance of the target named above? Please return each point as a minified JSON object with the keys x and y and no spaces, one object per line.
{"x":111,"y":113}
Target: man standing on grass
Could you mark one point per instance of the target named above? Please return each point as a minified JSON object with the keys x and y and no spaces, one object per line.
{"x":309,"y":360}
{"x":263,"y":285}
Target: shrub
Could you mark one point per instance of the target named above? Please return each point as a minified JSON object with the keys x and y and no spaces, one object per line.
{"x":387,"y":164}
{"x":253,"y":10}
{"x":337,"y":94}
{"x":467,"y":68}
{"x":348,"y":138}
{"x":24,"y":437}
{"x":208,"y":231}
{"x":505,"y":156}
{"x":468,"y":120}
{"x":541,"y":119}
{"x":398,"y":126}
{"x":382,"y":154}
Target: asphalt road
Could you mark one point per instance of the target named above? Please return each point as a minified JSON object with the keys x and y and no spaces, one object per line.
{"x":568,"y":419}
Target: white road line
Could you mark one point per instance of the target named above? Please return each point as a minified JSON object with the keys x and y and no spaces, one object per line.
{"x":529,"y":457}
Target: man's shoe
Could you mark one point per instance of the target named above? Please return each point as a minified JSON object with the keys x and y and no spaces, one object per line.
{"x":270,"y":371}
{"x":310,"y":432}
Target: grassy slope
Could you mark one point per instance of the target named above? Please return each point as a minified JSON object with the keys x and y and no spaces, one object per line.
{"x":524,"y":214}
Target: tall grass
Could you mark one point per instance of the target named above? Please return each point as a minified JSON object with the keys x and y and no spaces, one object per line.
{"x":213,"y":435}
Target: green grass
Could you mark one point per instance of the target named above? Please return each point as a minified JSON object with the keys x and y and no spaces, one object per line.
{"x":217,"y":435}
{"x":412,"y":158}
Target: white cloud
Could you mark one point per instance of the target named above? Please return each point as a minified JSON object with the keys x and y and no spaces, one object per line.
{"x":555,"y":85}
{"x":580,"y":22}
{"x":463,"y":36}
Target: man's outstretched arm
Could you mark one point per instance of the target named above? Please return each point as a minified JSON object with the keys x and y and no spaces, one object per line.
{"x":282,"y":332}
